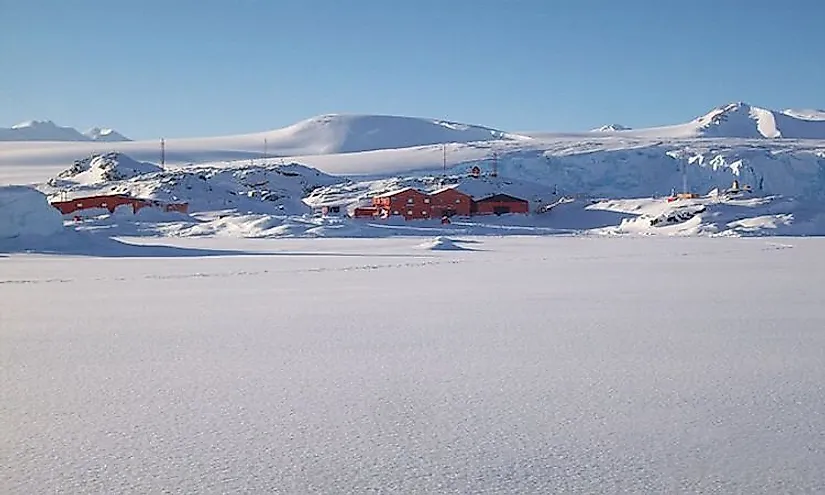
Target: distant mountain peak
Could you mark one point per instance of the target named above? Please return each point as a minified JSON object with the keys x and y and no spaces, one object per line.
{"x":31,"y":124}
{"x":104,"y":134}
{"x":745,"y":121}
{"x":611,"y":128}
{"x":47,"y":130}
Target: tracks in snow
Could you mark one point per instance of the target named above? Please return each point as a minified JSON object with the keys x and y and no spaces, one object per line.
{"x":236,"y":273}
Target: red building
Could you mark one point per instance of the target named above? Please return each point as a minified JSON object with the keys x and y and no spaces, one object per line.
{"x":365,"y":212}
{"x":500,"y":204}
{"x":113,"y":201}
{"x":408,"y":203}
{"x":412,"y":204}
{"x":449,"y":201}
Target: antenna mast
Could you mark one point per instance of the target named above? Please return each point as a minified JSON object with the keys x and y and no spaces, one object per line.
{"x":444,"y":158}
{"x":162,"y":152}
{"x":495,"y":164}
{"x":265,"y":149}
{"x":684,"y":178}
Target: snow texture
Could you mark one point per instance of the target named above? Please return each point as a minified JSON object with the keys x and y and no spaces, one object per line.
{"x":25,"y":213}
{"x":533,"y":365}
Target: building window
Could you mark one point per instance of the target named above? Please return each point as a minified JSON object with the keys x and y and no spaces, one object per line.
{"x":395,"y":212}
{"x":80,"y":205}
{"x":426,"y":200}
{"x":458,"y":201}
{"x":410,"y":201}
{"x":410,"y":212}
{"x":425,"y":213}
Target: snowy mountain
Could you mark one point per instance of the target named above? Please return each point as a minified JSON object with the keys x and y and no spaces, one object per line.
{"x":741,"y":120}
{"x":103,"y":134}
{"x":336,"y":133}
{"x":611,"y":128}
{"x":46,"y":130}
{"x":40,"y":130}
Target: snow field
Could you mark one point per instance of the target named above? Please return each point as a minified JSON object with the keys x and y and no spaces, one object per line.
{"x":529,"y":365}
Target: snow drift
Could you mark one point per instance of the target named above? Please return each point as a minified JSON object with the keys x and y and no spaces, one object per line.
{"x":25,"y":212}
{"x":442,"y":243}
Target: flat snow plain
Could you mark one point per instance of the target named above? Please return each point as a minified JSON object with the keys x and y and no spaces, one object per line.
{"x":515,"y":365}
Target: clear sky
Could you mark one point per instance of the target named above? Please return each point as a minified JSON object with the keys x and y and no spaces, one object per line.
{"x":174,"y":68}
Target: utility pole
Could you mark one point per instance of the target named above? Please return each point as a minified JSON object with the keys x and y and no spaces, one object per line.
{"x":495,"y":164}
{"x":684,"y":177}
{"x":265,"y":150}
{"x":444,"y":158}
{"x":162,"y":152}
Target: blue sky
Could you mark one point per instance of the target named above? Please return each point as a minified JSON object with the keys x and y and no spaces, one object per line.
{"x":173,"y":68}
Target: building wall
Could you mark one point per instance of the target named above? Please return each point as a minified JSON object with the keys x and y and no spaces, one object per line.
{"x":105,"y":202}
{"x":410,"y":204}
{"x":452,"y":202}
{"x":111,"y":203}
{"x":364,"y":212}
{"x":495,"y":207}
{"x":415,"y":205}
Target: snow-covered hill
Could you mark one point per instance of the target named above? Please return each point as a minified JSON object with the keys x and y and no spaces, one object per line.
{"x":272,"y":188}
{"x":611,"y":128}
{"x":741,"y":120}
{"x":355,"y":133}
{"x":46,"y":130}
{"x":99,"y":169}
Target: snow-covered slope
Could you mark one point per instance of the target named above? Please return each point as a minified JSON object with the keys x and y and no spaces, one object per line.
{"x":741,"y":120}
{"x":97,"y":169}
{"x":46,"y":130}
{"x":355,"y":133}
{"x":24,"y":212}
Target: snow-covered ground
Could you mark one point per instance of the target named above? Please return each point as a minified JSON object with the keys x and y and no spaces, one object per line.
{"x":516,"y":365}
